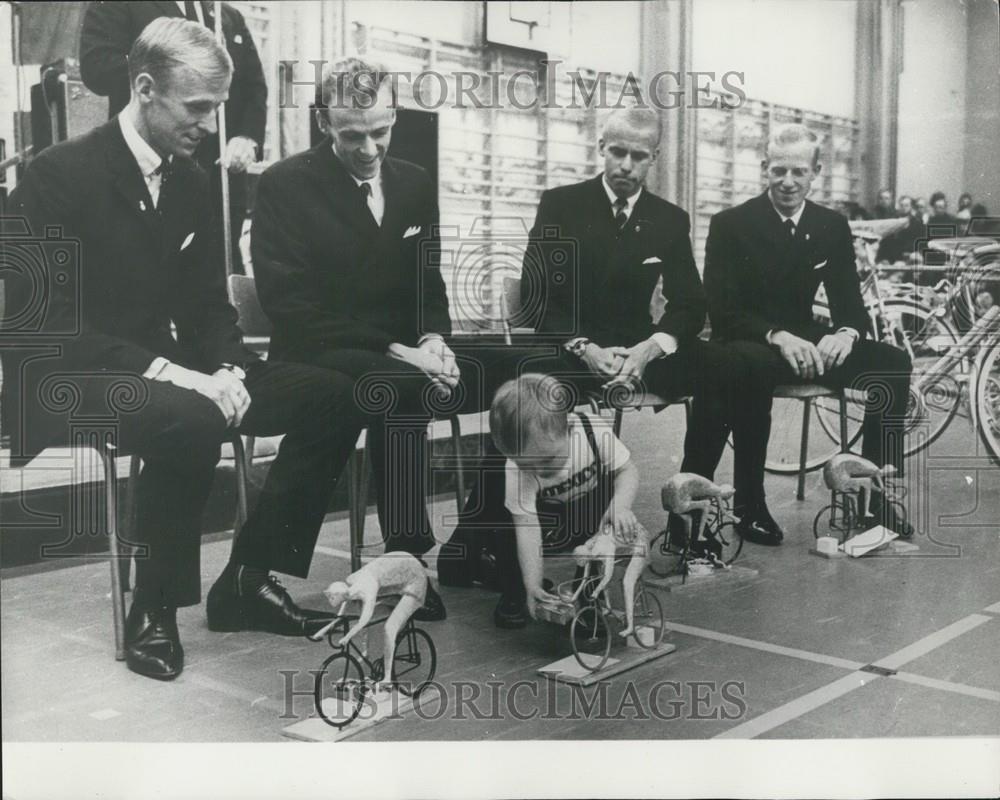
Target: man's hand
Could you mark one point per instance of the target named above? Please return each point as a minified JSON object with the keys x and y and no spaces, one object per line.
{"x":835,"y":348}
{"x":801,"y":354}
{"x":450,"y":373}
{"x":536,"y":595}
{"x":603,"y":361}
{"x":241,"y":152}
{"x":426,"y":361}
{"x":635,"y":361}
{"x":623,"y":524}
{"x":223,"y":388}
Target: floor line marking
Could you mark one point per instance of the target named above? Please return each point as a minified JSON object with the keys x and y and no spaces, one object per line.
{"x":993,"y":609}
{"x":947,"y":686}
{"x":798,"y":707}
{"x":931,"y":642}
{"x":344,"y":554}
{"x":805,"y":655}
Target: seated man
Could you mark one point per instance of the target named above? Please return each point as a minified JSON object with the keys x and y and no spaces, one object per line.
{"x":764,"y":261}
{"x":343,"y":246}
{"x":129,"y":193}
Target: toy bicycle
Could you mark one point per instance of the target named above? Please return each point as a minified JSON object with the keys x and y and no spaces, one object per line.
{"x":595,"y":625}
{"x":719,"y":546}
{"x":851,"y":480}
{"x":348,"y":676}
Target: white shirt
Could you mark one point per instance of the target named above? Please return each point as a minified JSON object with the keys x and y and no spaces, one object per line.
{"x":197,"y":10}
{"x":145,"y":156}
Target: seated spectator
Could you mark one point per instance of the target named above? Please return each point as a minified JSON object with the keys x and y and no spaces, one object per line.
{"x":567,"y":477}
{"x":964,"y":206}
{"x":939,"y":215}
{"x":920,"y":209}
{"x":884,"y":208}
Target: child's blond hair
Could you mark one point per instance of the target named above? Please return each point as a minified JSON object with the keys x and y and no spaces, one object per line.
{"x":526,"y":408}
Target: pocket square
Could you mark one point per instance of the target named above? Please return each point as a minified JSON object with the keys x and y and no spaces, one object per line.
{"x":653,"y":260}
{"x":187,"y":240}
{"x":413,"y":230}
{"x":820,"y":265}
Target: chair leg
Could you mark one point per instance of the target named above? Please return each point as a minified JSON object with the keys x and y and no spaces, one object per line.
{"x":240,"y":467}
{"x":131,"y":522}
{"x":688,"y":410}
{"x":456,"y":442}
{"x":619,"y":413}
{"x":843,"y":423}
{"x":111,"y":515}
{"x":800,"y":493}
{"x":357,"y":492}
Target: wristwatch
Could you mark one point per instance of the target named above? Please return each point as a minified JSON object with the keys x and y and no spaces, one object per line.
{"x":237,"y":371}
{"x":578,"y":346}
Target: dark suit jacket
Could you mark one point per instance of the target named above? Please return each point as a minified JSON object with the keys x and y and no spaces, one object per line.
{"x":756,"y":281}
{"x":328,"y":276}
{"x":136,"y":270}
{"x":109,"y":30}
{"x":593,"y":282}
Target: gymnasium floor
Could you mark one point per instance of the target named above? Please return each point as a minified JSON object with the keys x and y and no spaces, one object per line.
{"x":885,"y":646}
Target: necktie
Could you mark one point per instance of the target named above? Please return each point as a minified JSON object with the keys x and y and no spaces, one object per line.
{"x":620,"y":216}
{"x":365,"y":190}
{"x":790,"y":229}
{"x":164,"y":172}
{"x":189,"y":11}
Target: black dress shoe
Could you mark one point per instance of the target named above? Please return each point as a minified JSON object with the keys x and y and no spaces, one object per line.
{"x":886,"y":514}
{"x":759,"y":527}
{"x":152,"y":644}
{"x":433,"y":608}
{"x":245,"y":599}
{"x":510,"y":612}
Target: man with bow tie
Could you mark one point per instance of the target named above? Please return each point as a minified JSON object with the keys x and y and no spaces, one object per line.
{"x":137,"y":204}
{"x":346,"y":252}
{"x":764,"y":261}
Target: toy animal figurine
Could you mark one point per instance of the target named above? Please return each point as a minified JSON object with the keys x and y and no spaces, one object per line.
{"x":396,"y":573}
{"x":602,"y":548}
{"x":687,"y":492}
{"x":852,"y":474}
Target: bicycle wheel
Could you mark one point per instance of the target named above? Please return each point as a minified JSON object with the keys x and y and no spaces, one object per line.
{"x":926,"y":336}
{"x":728,"y":542}
{"x":591,"y":637}
{"x":414,"y":662}
{"x":987,"y":401}
{"x":834,"y":520}
{"x":664,"y":559}
{"x":647,"y":615}
{"x":339,"y":689}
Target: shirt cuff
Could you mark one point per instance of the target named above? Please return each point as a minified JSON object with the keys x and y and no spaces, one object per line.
{"x":855,"y":334}
{"x":237,"y":370}
{"x":154,"y":369}
{"x":428,"y":336}
{"x":667,"y":343}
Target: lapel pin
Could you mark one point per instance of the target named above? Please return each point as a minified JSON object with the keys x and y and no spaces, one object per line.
{"x":238,"y":39}
{"x":637,"y":229}
{"x":142,"y":205}
{"x":807,"y":237}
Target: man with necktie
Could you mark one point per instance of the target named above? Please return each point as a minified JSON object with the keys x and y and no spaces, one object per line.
{"x":346,"y":249}
{"x":764,"y":261}
{"x":137,"y":204}
{"x":110,"y":28}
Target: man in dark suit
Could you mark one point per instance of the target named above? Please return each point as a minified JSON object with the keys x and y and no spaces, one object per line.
{"x":130,"y":195}
{"x":764,"y":261}
{"x":596,"y":253}
{"x":110,"y":28}
{"x":343,"y":245}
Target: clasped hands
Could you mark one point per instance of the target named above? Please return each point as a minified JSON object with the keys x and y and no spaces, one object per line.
{"x":620,"y":365}
{"x":434,"y":358}
{"x":222,"y":387}
{"x":809,"y":360}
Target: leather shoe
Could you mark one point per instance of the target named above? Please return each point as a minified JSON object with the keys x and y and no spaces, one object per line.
{"x":433,"y":608}
{"x":245,"y":599}
{"x":152,"y":644}
{"x":759,"y":527}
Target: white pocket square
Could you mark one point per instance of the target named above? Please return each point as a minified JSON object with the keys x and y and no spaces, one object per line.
{"x":820,"y":265}
{"x":413,"y":230}
{"x":187,"y":240}
{"x":653,"y":260}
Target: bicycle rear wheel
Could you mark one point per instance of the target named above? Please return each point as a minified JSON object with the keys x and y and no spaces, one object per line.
{"x":647,"y":614}
{"x":987,"y":401}
{"x":590,"y":634}
{"x":664,"y":558}
{"x":339,"y":689}
{"x":729,"y":542}
{"x":414,"y":661}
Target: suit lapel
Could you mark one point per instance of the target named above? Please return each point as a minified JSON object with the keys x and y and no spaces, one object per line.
{"x":127,"y":178}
